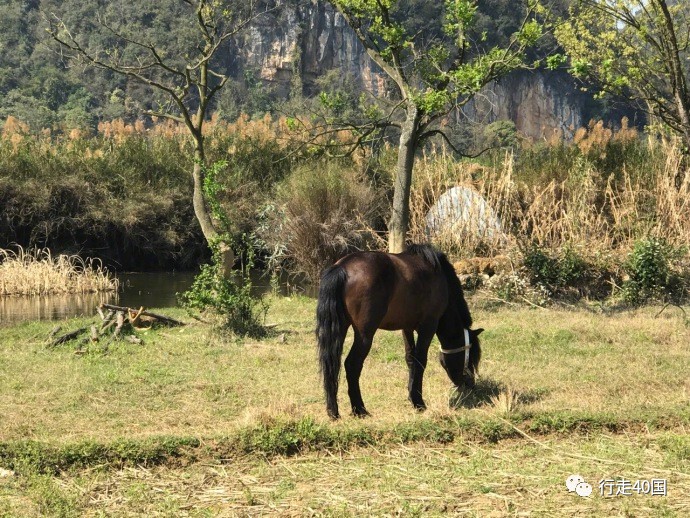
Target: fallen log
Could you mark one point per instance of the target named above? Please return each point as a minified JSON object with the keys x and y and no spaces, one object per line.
{"x":115,"y":318}
{"x":107,"y":318}
{"x":69,"y":336}
{"x":161,"y":318}
{"x":107,"y":325}
{"x":120,"y":319}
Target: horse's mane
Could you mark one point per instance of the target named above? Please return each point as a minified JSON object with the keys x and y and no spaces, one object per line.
{"x":426,"y":252}
{"x":438,"y":260}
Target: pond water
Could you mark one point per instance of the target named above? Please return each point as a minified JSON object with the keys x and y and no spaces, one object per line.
{"x":151,"y":290}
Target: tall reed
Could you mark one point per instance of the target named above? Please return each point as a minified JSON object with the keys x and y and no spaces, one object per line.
{"x":37,"y":272}
{"x":586,"y":202}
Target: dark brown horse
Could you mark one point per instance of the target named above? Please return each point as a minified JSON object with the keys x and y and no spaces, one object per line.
{"x":416,"y":290}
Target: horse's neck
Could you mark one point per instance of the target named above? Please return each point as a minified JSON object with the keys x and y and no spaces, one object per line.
{"x":451,"y":323}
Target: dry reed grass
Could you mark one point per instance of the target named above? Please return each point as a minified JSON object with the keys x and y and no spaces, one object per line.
{"x":505,"y":402}
{"x":596,"y":136}
{"x":599,"y":215}
{"x":37,"y":272}
{"x":115,"y":132}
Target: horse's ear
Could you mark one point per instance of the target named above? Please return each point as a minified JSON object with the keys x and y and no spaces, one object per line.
{"x":479,"y":331}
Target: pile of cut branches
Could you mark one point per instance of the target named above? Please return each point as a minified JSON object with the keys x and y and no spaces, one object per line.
{"x":115,"y":323}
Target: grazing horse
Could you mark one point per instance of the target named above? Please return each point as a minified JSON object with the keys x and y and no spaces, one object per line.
{"x":416,"y":290}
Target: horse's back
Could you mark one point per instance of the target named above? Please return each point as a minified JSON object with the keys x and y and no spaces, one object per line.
{"x":392,"y":291}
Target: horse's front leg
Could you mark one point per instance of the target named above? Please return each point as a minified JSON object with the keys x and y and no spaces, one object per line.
{"x":408,"y":338}
{"x":416,"y":362}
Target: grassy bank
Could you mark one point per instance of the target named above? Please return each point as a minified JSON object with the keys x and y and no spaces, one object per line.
{"x":190,"y":423}
{"x":462,"y":478}
{"x":124,"y":194}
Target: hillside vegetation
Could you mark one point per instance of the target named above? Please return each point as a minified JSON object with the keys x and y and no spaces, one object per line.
{"x":42,"y":89}
{"x":603,"y":216}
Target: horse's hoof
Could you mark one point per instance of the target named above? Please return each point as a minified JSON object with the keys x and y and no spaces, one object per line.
{"x":360,"y":412}
{"x":419,"y":407}
{"x":334,"y":416}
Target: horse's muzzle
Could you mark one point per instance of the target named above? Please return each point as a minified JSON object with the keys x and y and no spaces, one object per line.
{"x":468,"y":382}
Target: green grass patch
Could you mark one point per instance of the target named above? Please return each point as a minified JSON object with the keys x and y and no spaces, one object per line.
{"x":104,"y":431}
{"x":381,"y":478}
{"x":279,"y":437}
{"x":192,"y":382}
{"x":39,"y":457}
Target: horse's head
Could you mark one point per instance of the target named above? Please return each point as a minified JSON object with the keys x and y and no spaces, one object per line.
{"x":460,"y":358}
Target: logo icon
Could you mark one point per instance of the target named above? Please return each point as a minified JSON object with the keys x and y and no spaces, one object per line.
{"x":572,"y":481}
{"x":583,"y":489}
{"x":577,"y":484}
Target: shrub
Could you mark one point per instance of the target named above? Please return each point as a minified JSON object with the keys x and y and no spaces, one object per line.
{"x":650,"y":273}
{"x":227,"y":295}
{"x":556,"y":272}
{"x":514,"y":287}
{"x":324,"y":211}
{"x":500,"y":134}
{"x":229,"y":298}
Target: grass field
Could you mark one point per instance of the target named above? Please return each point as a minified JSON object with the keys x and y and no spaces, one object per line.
{"x":192,"y":424}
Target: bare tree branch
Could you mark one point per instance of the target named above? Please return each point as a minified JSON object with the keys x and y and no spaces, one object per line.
{"x":428,"y":134}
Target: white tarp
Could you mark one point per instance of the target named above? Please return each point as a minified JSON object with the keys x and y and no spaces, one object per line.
{"x":461,"y":210}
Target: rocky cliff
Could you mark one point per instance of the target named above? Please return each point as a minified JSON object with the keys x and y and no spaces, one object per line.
{"x":304,"y":39}
{"x":540,"y":103}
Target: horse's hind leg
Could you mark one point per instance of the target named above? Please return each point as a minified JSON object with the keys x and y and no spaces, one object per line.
{"x":353,"y":368}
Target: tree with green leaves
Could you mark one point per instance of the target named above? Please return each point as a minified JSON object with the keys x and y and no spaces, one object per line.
{"x":638,"y":49}
{"x":184,"y":85}
{"x":437,"y":63}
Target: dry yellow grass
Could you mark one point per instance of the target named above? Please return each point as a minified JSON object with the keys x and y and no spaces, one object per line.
{"x":505,"y":402}
{"x":549,"y":366}
{"x":513,"y":478}
{"x":37,"y":272}
{"x":188,"y":382}
{"x":596,"y":214}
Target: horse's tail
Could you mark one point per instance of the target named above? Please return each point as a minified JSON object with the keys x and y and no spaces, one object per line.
{"x":331,"y":327}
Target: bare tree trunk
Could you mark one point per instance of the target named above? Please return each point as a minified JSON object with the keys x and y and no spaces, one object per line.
{"x":684,"y":166}
{"x":400,"y":216}
{"x":208,"y":229}
{"x":200,"y":209}
{"x":684,"y":116}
